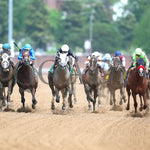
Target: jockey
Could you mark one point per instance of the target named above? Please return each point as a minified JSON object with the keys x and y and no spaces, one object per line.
{"x":31,"y":52}
{"x":106,"y":60}
{"x":64,"y":49}
{"x":122,"y":58}
{"x":6,"y":48}
{"x":136,"y":55}
{"x":87,"y":62}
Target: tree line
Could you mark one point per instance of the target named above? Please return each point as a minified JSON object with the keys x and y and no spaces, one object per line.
{"x":35,"y":23}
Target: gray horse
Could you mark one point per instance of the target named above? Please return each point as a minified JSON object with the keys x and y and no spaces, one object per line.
{"x":7,"y":78}
{"x":60,"y":81}
{"x":116,"y":81}
{"x":92,"y":83}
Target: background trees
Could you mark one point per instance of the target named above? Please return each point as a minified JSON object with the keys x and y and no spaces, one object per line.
{"x":35,"y":23}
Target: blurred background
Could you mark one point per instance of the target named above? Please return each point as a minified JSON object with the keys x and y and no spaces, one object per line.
{"x":85,"y":25}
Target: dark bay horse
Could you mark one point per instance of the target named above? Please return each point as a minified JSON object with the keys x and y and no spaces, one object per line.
{"x":92,"y":83}
{"x":116,"y":81}
{"x":60,"y":81}
{"x":137,"y":84}
{"x":27,"y":78}
{"x":7,"y":78}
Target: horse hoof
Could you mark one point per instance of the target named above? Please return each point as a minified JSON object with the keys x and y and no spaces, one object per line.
{"x":3,"y":103}
{"x":140,"y":109}
{"x":145,"y":107}
{"x":120,"y":103}
{"x":34,"y":102}
{"x":127,"y":108}
{"x":57,"y":100}
{"x":90,"y":108}
{"x":33,"y":106}
{"x":52,"y":106}
{"x":63,"y":108}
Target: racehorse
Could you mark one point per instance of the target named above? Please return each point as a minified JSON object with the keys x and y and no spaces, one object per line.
{"x":73,"y":78}
{"x":7,"y":78}
{"x":92,"y":83}
{"x":60,"y":81}
{"x":116,"y":81}
{"x":137,"y":84}
{"x":27,"y":78}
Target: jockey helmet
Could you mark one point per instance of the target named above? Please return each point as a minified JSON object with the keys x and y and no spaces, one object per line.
{"x":6,"y":46}
{"x":65,"y":48}
{"x":107,"y":56}
{"x":118,"y":53}
{"x":27,"y":47}
{"x":1,"y":46}
{"x":96,"y":54}
{"x":138,"y":51}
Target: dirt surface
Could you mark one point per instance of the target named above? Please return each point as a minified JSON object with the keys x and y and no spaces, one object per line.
{"x":78,"y":128}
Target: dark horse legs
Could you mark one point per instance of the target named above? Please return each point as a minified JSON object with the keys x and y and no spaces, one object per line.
{"x":34,"y":102}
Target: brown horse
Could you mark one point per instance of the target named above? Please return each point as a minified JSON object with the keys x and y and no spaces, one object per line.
{"x":116,"y":81}
{"x":137,"y":84}
{"x":92,"y":83}
{"x":7,"y":78}
{"x":27,"y":78}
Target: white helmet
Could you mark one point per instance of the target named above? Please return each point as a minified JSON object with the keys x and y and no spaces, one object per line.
{"x":107,"y":56}
{"x":96,"y":54}
{"x":65,"y":48}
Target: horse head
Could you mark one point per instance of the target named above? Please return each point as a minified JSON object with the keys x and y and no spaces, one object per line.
{"x":26,"y":57}
{"x":116,"y":63}
{"x":5,"y":62}
{"x":63,"y":59}
{"x":93,"y":64}
{"x":140,"y":65}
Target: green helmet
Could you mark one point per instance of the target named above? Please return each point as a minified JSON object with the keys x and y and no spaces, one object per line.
{"x":138,"y":51}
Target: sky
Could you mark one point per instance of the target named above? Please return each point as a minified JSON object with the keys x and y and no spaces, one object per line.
{"x":118,"y":8}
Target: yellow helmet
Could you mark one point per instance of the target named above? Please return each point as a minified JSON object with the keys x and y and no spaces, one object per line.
{"x":1,"y":46}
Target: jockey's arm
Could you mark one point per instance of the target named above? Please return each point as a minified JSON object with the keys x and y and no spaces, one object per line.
{"x":20,"y":55}
{"x":32,"y":54}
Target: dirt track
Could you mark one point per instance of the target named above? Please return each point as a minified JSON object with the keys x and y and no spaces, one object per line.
{"x":73,"y":129}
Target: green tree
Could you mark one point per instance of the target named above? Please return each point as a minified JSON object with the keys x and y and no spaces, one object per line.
{"x":4,"y":21}
{"x":37,"y":24}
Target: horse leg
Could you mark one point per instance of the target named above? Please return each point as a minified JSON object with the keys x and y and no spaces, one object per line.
{"x":141,"y":104}
{"x":145,"y":100}
{"x":74,"y":93}
{"x":5,"y":98}
{"x":114,"y":99}
{"x":34,"y":101}
{"x":52,"y":102}
{"x":22,"y":97}
{"x":64,"y":95}
{"x":9,"y":93}
{"x":129,"y":93}
{"x":135,"y":102}
{"x":70,"y":98}
{"x":122,"y":93}
{"x":1,"y":95}
{"x":98,"y":94}
{"x":57,"y":96}
{"x":95,"y":96}
{"x":87,"y":91}
{"x":111,"y":98}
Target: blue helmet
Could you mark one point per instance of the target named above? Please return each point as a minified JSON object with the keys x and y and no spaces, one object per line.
{"x":6,"y":46}
{"x":118,"y":53}
{"x":27,"y":47}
